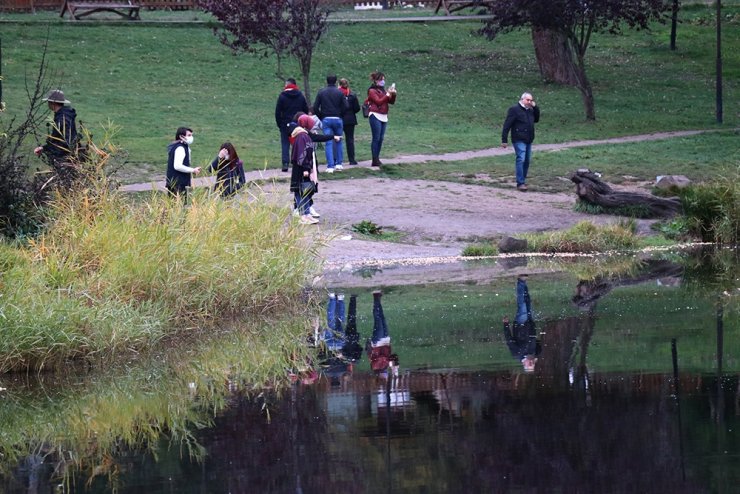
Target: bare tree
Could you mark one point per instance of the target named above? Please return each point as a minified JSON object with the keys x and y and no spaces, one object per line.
{"x":265,"y":27}
{"x":562,"y":31}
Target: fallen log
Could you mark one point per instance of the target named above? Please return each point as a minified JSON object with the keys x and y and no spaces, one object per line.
{"x":592,"y":190}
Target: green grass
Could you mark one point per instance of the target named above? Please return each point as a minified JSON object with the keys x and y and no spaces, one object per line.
{"x":454,"y":87}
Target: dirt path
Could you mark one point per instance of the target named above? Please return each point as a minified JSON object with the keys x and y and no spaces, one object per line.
{"x":437,"y":219}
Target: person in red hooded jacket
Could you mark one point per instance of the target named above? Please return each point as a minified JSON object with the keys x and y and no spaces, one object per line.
{"x":379,"y":347}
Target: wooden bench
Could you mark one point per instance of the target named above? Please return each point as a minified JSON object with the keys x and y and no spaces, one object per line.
{"x":78,"y":10}
{"x":450,"y":6}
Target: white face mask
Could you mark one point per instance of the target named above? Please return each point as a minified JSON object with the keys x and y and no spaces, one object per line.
{"x":188,"y":140}
{"x":381,"y":83}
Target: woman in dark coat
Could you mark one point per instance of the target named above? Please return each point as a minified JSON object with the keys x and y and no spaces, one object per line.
{"x":229,"y":170}
{"x":304,"y":177}
{"x":349,"y":118}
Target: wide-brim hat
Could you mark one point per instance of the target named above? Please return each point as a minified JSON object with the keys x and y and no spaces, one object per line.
{"x":56,"y":96}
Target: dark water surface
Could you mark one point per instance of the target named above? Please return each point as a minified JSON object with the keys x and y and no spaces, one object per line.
{"x":602,"y":411}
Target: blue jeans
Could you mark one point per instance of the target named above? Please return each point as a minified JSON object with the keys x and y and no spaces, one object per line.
{"x":380,"y":328}
{"x":523,"y":303}
{"x":523,"y":153}
{"x":333,"y":126}
{"x":335,"y":314}
{"x":303,"y":203}
{"x":285,"y":145}
{"x":378,"y":130}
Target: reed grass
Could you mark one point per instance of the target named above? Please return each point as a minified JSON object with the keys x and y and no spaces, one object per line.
{"x":111,"y":276}
{"x":585,"y":237}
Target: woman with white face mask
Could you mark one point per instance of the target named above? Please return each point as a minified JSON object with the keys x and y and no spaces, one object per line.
{"x":229,"y":170}
{"x":179,"y":171}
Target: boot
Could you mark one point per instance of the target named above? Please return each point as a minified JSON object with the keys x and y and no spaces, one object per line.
{"x":376,"y":161}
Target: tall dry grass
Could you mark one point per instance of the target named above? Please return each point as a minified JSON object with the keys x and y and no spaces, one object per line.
{"x":110,"y":276}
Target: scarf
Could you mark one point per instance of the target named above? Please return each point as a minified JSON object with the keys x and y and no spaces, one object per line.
{"x":294,"y":134}
{"x":345,"y":90}
{"x":289,"y":87}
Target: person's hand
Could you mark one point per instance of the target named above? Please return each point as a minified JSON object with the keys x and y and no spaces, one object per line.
{"x":337,"y":138}
{"x":305,"y":174}
{"x":506,"y":319}
{"x":37,"y":151}
{"x":222,"y":154}
{"x":504,"y":145}
{"x":532,"y":103}
{"x":197,"y":170}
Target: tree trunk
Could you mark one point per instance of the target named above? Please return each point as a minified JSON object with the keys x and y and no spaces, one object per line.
{"x":584,"y":86}
{"x":554,"y":56}
{"x":306,"y":72}
{"x":591,"y":189}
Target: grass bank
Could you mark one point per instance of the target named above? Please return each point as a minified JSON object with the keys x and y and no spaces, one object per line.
{"x":454,"y":86}
{"x":111,"y":277}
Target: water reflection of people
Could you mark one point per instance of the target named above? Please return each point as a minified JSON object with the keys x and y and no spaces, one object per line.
{"x":351,"y":350}
{"x":379,"y":347}
{"x":521,"y":337}
{"x":334,"y":333}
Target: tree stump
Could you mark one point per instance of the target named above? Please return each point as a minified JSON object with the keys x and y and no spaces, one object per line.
{"x":591,"y":189}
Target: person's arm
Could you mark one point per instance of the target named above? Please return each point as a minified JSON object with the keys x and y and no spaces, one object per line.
{"x":536,"y":110}
{"x":377,"y":97}
{"x":242,"y":179}
{"x":279,"y":112}
{"x":317,"y":105}
{"x":507,"y":329}
{"x":510,"y":118}
{"x":355,"y":103}
{"x":214,"y":164}
{"x":320,"y":137}
{"x":180,"y":158}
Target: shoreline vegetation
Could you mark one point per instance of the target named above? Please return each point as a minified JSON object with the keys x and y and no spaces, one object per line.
{"x":115,"y":276}
{"x":110,"y":277}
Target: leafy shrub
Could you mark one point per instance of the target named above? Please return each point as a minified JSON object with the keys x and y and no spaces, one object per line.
{"x":366,"y":227}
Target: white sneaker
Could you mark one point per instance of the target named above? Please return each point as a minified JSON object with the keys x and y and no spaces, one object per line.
{"x":338,"y":168}
{"x":296,"y":213}
{"x":307,"y":219}
{"x":314,"y":213}
{"x":330,"y":170}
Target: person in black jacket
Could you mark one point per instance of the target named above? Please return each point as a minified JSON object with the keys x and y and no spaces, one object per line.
{"x":349,"y":118}
{"x":522,"y":337}
{"x":520,"y":120}
{"x":179,"y":171}
{"x":61,"y":143}
{"x":290,"y":102}
{"x":329,"y":106}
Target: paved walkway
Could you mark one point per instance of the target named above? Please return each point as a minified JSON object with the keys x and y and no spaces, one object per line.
{"x":275,"y":173}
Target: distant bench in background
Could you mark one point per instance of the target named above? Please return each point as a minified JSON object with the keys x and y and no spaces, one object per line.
{"x":78,"y":10}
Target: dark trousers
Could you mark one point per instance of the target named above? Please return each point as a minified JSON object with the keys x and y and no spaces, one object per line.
{"x":380,"y":328}
{"x":285,"y":145}
{"x":349,"y":139}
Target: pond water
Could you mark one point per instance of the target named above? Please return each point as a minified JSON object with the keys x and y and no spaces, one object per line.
{"x":630,"y":383}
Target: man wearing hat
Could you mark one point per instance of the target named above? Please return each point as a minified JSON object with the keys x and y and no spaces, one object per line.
{"x":62,"y":140}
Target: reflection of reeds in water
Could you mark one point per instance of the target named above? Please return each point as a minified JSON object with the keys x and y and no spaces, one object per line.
{"x":110,"y":276}
{"x":88,"y":425}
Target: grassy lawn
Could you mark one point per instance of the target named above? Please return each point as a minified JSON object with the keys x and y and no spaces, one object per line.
{"x":454,"y":86}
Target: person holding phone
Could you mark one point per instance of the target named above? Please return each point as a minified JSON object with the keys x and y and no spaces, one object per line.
{"x":379,"y":100}
{"x":520,"y":120}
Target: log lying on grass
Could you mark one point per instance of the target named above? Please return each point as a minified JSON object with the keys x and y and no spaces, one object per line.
{"x":594,"y":191}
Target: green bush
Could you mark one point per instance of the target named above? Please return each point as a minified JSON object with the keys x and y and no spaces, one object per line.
{"x":712,"y":210}
{"x":367,"y":227}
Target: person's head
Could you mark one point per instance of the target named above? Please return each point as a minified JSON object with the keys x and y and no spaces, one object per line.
{"x":184,"y":135}
{"x":228,"y":153}
{"x":377,"y":78}
{"x":526,"y":99}
{"x":298,"y":115}
{"x":56,"y":100}
{"x":344,"y":83}
{"x":528,"y":363}
{"x":306,"y":121}
{"x":331,"y":80}
{"x":290,"y":83}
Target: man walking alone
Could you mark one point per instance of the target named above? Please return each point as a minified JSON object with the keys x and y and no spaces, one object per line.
{"x":520,"y":120}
